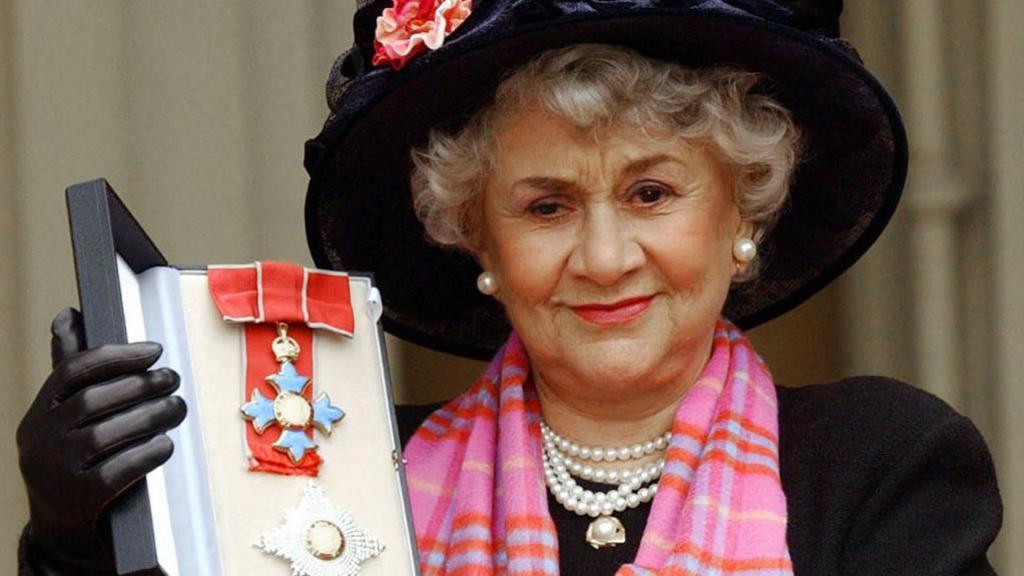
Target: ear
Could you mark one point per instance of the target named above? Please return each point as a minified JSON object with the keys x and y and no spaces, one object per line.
{"x":484,"y":258}
{"x":745,"y":229}
{"x":485,"y":251}
{"x":489,"y":264}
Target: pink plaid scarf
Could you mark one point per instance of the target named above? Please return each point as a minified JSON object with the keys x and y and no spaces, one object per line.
{"x":480,"y":503}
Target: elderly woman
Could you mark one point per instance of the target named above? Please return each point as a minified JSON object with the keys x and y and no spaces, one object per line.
{"x":624,"y":184}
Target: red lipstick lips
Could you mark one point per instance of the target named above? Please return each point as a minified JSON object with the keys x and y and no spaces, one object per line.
{"x":615,"y":313}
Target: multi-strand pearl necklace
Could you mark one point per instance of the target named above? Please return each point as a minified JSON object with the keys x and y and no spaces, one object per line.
{"x":564,"y":459}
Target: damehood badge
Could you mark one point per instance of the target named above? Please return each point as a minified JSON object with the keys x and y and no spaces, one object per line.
{"x":320,"y":538}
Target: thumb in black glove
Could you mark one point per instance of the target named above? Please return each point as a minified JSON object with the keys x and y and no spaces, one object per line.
{"x":96,"y":427}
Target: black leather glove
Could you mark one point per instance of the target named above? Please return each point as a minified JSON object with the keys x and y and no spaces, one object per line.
{"x":96,"y":427}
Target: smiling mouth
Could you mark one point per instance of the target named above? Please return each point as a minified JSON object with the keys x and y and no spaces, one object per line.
{"x":619,"y":312}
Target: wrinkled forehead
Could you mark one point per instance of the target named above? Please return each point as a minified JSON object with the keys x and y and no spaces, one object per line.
{"x":539,"y":140}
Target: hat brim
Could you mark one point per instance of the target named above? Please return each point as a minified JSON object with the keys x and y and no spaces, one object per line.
{"x":359,"y":212}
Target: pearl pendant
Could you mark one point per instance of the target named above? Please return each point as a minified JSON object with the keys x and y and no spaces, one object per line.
{"x":605,"y":531}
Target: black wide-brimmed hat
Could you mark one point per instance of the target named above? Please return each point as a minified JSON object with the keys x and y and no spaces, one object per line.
{"x":359,"y":212}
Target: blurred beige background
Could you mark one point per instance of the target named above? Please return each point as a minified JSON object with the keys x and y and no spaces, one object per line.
{"x":196,"y":112}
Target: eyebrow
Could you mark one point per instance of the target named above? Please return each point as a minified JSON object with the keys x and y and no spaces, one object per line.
{"x":552,"y":184}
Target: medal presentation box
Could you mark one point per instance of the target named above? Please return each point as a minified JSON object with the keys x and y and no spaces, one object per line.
{"x":298,"y":473}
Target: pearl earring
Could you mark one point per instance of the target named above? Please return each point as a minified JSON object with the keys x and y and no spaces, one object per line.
{"x":486,"y":283}
{"x":744,"y":250}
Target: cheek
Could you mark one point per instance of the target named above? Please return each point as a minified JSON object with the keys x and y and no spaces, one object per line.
{"x":695,"y":260}
{"x":529,"y":268}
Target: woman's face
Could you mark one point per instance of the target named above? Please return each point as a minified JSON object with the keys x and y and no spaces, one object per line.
{"x":613,"y":257}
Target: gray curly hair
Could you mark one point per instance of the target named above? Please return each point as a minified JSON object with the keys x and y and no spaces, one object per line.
{"x":595,"y":86}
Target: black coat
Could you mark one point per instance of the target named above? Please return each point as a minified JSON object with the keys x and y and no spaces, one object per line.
{"x":880,"y":479}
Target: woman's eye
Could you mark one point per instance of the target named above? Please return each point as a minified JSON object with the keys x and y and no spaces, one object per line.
{"x":649,"y":194}
{"x":546,"y":209}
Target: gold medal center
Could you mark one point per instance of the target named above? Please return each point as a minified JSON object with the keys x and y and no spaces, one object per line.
{"x":325,"y":540}
{"x":292,"y":410}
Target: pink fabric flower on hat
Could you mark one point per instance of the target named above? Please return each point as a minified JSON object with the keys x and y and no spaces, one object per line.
{"x":412,"y":26}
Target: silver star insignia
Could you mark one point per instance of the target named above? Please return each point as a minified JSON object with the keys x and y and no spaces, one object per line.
{"x":320,"y":538}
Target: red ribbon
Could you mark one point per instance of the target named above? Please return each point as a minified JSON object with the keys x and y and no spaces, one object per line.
{"x":260,"y":295}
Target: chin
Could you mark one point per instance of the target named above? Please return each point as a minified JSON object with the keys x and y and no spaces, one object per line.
{"x":614,"y":363}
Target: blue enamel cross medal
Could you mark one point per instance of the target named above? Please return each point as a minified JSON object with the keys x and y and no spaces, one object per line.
{"x":290,"y":410}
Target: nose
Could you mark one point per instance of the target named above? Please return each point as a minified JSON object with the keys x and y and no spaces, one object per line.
{"x":606,"y":249}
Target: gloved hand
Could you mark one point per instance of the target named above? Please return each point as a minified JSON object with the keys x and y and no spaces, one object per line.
{"x":96,"y":426}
